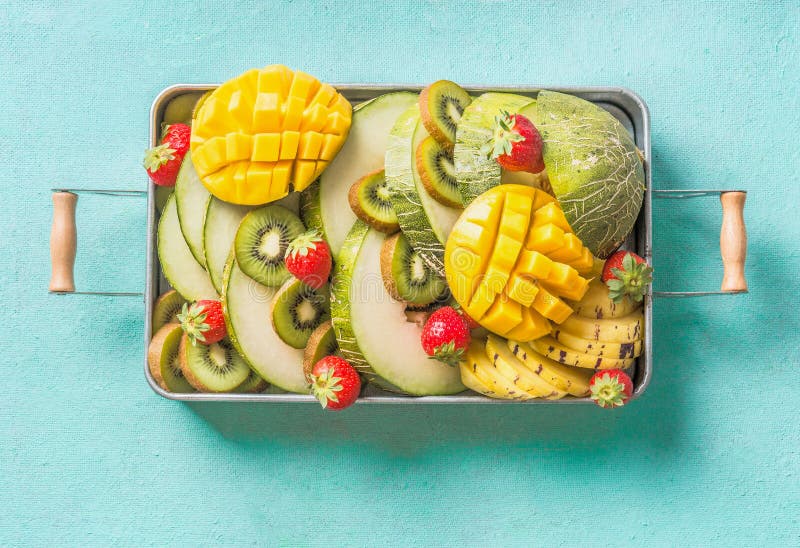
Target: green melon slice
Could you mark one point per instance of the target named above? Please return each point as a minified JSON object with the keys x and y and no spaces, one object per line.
{"x":180,"y":268}
{"x":246,"y":305}
{"x":424,"y":221}
{"x":362,"y":153}
{"x":371,"y":327}
{"x":475,"y":171}
{"x":191,"y":198}
{"x":593,"y":166}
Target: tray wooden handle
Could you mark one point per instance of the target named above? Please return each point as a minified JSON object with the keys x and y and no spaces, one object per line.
{"x":733,"y":241}
{"x":63,"y":242}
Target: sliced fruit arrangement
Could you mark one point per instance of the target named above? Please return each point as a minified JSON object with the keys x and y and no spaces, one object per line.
{"x":511,"y":257}
{"x":267,"y":132}
{"x":436,"y":216}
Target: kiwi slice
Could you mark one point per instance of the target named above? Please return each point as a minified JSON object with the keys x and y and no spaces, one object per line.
{"x":199,"y":103}
{"x":253,"y":384}
{"x":441,"y":105}
{"x":166,"y":309}
{"x":297,"y":310}
{"x":213,"y":368}
{"x":405,"y":274}
{"x":321,"y":343}
{"x":162,"y":358}
{"x":261,"y":242}
{"x":438,"y":174}
{"x":370,"y":200}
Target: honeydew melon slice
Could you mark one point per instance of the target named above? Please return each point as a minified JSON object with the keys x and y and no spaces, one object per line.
{"x":246,"y":305}
{"x":424,"y":221}
{"x":371,"y":327}
{"x":326,"y":207}
{"x":191,"y":198}
{"x":594,"y":168}
{"x":475,"y":171}
{"x":179,"y":266}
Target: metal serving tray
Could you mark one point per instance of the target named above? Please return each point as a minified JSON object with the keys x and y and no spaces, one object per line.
{"x":622,"y":103}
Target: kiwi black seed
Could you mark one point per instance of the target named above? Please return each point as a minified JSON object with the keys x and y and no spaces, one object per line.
{"x":321,"y":343}
{"x":162,"y":359}
{"x":405,"y":274}
{"x":370,"y":200}
{"x":297,"y":310}
{"x":166,"y":309}
{"x":261,"y":242}
{"x":437,"y":172}
{"x":213,"y":368}
{"x":441,"y":105}
{"x":253,"y":384}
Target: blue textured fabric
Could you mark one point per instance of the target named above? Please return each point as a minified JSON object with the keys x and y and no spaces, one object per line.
{"x":90,"y":456}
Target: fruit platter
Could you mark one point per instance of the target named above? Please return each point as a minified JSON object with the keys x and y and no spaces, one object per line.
{"x":397,"y":244}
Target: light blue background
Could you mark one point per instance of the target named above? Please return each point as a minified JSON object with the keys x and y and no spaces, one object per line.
{"x":89,"y":455}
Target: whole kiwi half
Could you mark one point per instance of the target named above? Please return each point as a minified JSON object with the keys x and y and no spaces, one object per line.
{"x":297,"y":310}
{"x":166,"y":308}
{"x":437,"y":172}
{"x":405,"y":274}
{"x":261,"y":241}
{"x":370,"y":200}
{"x":441,"y":105}
{"x":163,"y":362}
{"x":213,"y":368}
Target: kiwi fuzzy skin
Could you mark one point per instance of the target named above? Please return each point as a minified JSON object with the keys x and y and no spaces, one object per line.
{"x":352,"y":197}
{"x":428,"y":120}
{"x":313,"y":345}
{"x":156,"y":350}
{"x":183,"y":359}
{"x":387,"y":253}
{"x":419,"y":156}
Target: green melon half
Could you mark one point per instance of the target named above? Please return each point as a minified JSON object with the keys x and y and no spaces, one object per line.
{"x":593,"y":166}
{"x":371,"y":327}
{"x":475,"y":171}
{"x":424,"y":221}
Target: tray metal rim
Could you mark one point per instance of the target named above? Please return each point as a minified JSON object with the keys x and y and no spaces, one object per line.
{"x":644,"y":247}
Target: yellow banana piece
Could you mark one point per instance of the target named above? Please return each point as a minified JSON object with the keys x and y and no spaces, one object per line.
{"x":573,"y":380}
{"x":488,"y":376}
{"x":626,"y":329}
{"x":510,"y":367}
{"x":596,"y":304}
{"x":554,"y":350}
{"x":599,"y":348}
{"x":473,"y":383}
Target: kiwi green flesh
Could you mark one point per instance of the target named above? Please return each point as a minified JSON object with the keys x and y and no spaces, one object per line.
{"x":436,"y":169}
{"x":297,"y":310}
{"x":166,"y":309}
{"x":374,"y":197}
{"x":261,"y":241}
{"x":446,"y":102}
{"x":251,"y":385}
{"x":414,"y":280}
{"x":213,"y":368}
{"x":172,"y":378}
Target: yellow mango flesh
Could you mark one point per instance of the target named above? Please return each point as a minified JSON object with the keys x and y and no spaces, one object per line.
{"x":266,"y":132}
{"x":510,"y":259}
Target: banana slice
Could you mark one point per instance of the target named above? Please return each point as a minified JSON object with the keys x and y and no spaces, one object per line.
{"x":599,"y":348}
{"x":474,"y":383}
{"x":489,"y":376}
{"x":551,"y":348}
{"x":513,"y":369}
{"x":573,"y":380}
{"x":596,"y":303}
{"x":626,"y":329}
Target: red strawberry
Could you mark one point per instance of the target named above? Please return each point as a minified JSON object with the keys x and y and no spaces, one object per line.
{"x":164,"y":161}
{"x":335,"y":383}
{"x":610,"y":388}
{"x":308,"y":257}
{"x":626,"y":273}
{"x":445,"y":336}
{"x":203,"y":322}
{"x":516,"y":144}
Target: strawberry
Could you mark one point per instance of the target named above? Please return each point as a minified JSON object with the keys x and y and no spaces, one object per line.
{"x":516,"y":144}
{"x":163,"y":162}
{"x":610,"y":388}
{"x":445,"y":336}
{"x":335,"y":383}
{"x":203,"y":322}
{"x":626,"y":273}
{"x":308,"y":257}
